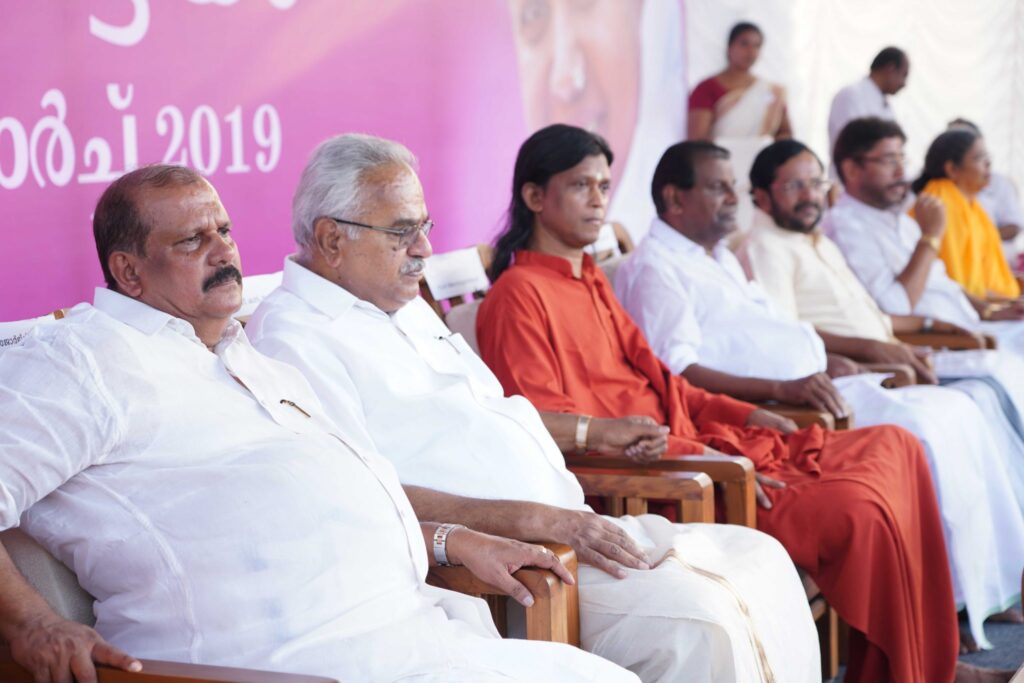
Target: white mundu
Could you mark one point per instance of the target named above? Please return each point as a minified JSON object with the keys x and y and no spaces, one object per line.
{"x":699,"y":308}
{"x":219,"y":517}
{"x":435,"y":409}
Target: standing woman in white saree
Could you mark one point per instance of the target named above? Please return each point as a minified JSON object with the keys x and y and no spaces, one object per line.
{"x":740,"y":112}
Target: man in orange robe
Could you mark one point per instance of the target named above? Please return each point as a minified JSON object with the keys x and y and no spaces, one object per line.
{"x":855,"y":509}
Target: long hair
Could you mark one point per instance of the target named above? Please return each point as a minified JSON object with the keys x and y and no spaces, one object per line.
{"x":547,"y":152}
{"x":949,"y":146}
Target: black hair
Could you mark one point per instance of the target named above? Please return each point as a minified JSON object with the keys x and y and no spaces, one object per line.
{"x":678,"y":167}
{"x":547,"y":152}
{"x":117,"y":223}
{"x":951,"y":145}
{"x":767,"y":162}
{"x":741,"y":28}
{"x":859,"y":136}
{"x":889,"y":56}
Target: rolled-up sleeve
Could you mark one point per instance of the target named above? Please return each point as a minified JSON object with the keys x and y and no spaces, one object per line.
{"x":57,"y":419}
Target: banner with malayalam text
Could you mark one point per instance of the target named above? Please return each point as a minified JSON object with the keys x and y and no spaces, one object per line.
{"x":243,"y":91}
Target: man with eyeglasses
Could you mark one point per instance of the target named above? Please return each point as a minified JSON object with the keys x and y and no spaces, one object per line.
{"x":468,"y":453}
{"x":708,"y":323}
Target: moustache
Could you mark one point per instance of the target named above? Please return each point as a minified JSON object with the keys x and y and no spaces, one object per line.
{"x":413,"y":266}
{"x":225,"y":274}
{"x":808,"y":205}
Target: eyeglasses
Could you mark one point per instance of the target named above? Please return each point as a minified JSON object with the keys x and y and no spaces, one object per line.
{"x":887,"y":160}
{"x":793,"y":186}
{"x":406,"y":236}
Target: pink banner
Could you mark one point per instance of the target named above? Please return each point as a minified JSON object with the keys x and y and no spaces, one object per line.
{"x":243,"y":91}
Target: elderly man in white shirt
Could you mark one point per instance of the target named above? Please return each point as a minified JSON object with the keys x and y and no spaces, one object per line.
{"x":348,"y":314}
{"x":707,"y":322}
{"x":198,"y":490}
{"x":870,"y":95}
{"x":896,"y":259}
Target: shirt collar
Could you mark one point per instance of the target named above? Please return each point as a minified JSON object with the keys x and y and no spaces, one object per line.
{"x":327,"y":297}
{"x":678,"y":242}
{"x":847,"y":200}
{"x":149,"y":320}
{"x":525,"y":257}
{"x":875,"y":89}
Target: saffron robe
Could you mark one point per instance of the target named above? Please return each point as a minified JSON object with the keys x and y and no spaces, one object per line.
{"x":971,"y":247}
{"x":859,"y":513}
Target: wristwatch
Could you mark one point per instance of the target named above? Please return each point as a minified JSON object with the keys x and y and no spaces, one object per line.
{"x":932,"y":241}
{"x":441,"y":541}
{"x":927,"y":324}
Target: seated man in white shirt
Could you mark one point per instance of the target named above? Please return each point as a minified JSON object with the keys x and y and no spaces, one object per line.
{"x":707,"y":322}
{"x":200,"y":493}
{"x":348,"y":314}
{"x":895,"y":258}
{"x":870,"y":95}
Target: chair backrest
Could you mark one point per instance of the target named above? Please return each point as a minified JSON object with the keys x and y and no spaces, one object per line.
{"x":51,"y":579}
{"x":255,"y":289}
{"x":456,"y":277}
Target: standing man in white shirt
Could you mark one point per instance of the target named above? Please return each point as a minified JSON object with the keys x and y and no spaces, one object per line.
{"x":348,"y":314}
{"x":870,"y":95}
{"x":198,"y":490}
{"x":707,"y":322}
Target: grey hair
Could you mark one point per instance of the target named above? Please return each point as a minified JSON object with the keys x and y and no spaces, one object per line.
{"x":332,"y":182}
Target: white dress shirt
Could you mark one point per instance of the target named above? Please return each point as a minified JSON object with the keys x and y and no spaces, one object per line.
{"x":409,"y":373}
{"x":441,"y":416}
{"x":216,"y":514}
{"x":696,"y":307}
{"x":1001,"y":202}
{"x":805,"y":274}
{"x":877,"y":245}
{"x":857,"y":100}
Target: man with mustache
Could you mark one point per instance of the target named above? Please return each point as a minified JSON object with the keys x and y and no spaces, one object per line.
{"x":707,"y":322}
{"x":199,"y":491}
{"x":365,"y":337}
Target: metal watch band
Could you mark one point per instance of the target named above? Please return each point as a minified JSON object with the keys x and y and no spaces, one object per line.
{"x":582,"y":428}
{"x":441,"y":541}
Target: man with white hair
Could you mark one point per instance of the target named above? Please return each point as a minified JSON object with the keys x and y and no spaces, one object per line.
{"x":199,"y":491}
{"x":669,"y":602}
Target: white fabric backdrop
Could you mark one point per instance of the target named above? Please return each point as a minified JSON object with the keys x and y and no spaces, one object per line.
{"x":966,"y":59}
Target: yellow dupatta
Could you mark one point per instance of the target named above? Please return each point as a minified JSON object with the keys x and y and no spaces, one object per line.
{"x":971,"y":248}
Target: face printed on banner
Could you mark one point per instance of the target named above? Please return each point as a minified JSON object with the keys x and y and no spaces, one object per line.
{"x":580,"y":63}
{"x":374,"y":265}
{"x":571,"y":206}
{"x":797,"y":197}
{"x":191,"y":268}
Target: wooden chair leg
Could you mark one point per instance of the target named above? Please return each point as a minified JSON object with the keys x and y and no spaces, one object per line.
{"x":828,"y":637}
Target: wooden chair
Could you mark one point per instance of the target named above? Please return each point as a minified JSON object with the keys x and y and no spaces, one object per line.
{"x":734,"y":474}
{"x":554,"y":615}
{"x":948,"y":342}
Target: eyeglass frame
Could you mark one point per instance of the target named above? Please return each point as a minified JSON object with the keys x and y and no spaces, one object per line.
{"x":406,"y":236}
{"x":892,"y":161}
{"x":822,"y":185}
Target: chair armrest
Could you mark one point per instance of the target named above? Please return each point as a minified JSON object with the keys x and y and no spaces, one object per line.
{"x":951,"y":342}
{"x":902,"y":374}
{"x":155,"y":671}
{"x":735,"y":472}
{"x":554,"y":616}
{"x":692,"y":492}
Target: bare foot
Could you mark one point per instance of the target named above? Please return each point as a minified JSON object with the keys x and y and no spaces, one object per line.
{"x":968,"y":673}
{"x":1010,"y":616}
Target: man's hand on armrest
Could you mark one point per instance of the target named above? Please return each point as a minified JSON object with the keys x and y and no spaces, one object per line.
{"x":493,"y":560}
{"x":50,"y":647}
{"x":636,"y":437}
